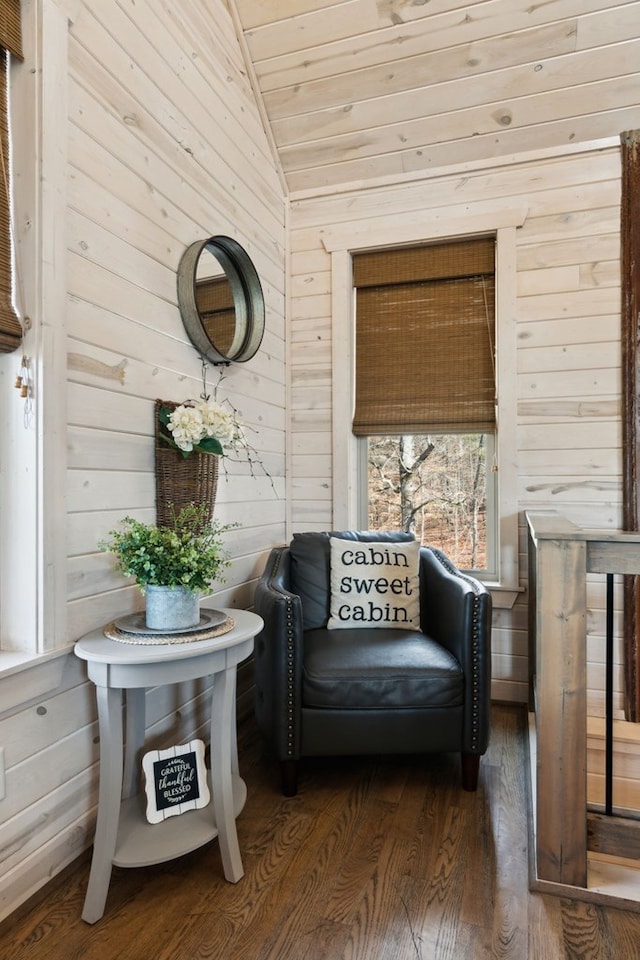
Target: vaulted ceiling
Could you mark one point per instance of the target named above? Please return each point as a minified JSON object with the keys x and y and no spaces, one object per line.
{"x":355,"y":90}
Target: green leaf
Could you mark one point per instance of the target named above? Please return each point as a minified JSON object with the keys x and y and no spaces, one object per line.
{"x":168,"y":439}
{"x":209,"y":445}
{"x":163,"y":415}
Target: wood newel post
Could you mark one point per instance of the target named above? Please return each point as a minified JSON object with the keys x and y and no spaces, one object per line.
{"x":561,"y":777}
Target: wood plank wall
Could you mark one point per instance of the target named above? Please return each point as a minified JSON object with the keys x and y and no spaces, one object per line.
{"x":165,"y":147}
{"x":567,"y":359}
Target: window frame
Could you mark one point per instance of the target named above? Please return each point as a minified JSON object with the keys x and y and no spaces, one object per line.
{"x":33,"y":621}
{"x":341,"y":243}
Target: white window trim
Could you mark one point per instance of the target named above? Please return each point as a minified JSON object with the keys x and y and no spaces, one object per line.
{"x":33,"y":516}
{"x":460,"y":222}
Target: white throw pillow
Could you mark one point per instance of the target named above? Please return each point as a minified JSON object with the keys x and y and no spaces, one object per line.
{"x":374,"y":584}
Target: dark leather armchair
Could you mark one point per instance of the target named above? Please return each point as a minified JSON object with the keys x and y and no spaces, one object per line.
{"x":322,"y":692}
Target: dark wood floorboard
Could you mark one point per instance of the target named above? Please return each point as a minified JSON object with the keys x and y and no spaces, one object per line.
{"x":375,"y":859}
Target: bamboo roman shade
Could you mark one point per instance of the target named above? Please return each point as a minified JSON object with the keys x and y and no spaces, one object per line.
{"x":10,"y":43}
{"x":425,"y":334}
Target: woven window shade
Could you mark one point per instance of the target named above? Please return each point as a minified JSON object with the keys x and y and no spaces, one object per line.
{"x":11,"y":41}
{"x":425,"y":324}
{"x":10,"y":27}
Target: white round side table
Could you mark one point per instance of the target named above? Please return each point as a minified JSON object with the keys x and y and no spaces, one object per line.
{"x":124,"y":837}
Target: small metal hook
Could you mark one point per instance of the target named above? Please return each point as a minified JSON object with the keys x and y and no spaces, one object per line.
{"x":204,"y":395}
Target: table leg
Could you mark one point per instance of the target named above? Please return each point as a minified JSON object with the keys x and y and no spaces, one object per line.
{"x":235,"y":767}
{"x":135,"y":730}
{"x":104,"y":844}
{"x":222,"y":747}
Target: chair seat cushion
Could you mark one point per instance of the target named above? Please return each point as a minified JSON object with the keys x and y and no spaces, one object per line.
{"x":378,"y":669}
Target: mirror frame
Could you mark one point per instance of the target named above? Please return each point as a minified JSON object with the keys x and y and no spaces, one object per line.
{"x":247,"y":297}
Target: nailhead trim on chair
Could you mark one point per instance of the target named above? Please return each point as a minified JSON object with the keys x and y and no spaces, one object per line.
{"x":290,"y":684}
{"x":474,"y":660}
{"x":475,"y":678}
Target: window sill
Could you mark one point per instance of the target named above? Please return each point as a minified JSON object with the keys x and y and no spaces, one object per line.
{"x":504,"y":597}
{"x":38,"y":676}
{"x":13,"y":661}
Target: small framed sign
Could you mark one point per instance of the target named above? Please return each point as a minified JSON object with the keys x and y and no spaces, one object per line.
{"x":175,"y":780}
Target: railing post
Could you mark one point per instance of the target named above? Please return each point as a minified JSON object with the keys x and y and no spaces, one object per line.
{"x":560,"y":695}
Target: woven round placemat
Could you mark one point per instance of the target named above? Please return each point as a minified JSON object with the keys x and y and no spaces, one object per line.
{"x":154,"y":637}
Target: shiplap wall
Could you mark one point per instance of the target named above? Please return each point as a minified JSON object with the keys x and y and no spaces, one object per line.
{"x":567,"y":359}
{"x":165,"y":146}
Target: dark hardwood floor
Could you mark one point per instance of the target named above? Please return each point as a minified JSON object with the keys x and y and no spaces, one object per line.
{"x":375,"y":859}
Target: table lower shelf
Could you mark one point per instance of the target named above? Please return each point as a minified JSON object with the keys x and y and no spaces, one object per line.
{"x":141,"y":843}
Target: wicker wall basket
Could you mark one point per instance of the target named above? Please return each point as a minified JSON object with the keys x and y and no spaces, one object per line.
{"x":182,"y":480}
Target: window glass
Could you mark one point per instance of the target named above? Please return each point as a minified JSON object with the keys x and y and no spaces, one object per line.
{"x":441,"y":488}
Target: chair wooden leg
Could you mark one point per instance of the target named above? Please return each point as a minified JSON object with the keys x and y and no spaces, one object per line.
{"x":289,"y":775}
{"x":470,"y":771}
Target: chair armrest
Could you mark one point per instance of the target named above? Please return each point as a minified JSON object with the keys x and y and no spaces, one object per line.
{"x":456,"y":611}
{"x":278,"y":657}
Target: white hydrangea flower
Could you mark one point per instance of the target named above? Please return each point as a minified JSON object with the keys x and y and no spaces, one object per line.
{"x":186,"y":426}
{"x":218,"y":422}
{"x":190,"y":423}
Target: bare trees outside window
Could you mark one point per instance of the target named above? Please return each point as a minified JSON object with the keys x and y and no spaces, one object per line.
{"x":435,"y":487}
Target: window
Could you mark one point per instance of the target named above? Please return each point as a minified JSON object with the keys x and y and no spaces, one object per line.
{"x":345,"y":240}
{"x":425,"y":393}
{"x":33,"y":608}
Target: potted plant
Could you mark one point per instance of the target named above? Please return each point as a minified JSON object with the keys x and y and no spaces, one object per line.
{"x":173,"y":564}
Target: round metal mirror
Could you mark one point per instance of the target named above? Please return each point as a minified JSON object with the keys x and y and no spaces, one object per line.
{"x":221,"y":300}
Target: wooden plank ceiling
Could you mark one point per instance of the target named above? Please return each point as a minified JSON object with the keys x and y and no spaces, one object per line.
{"x":361,"y":90}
